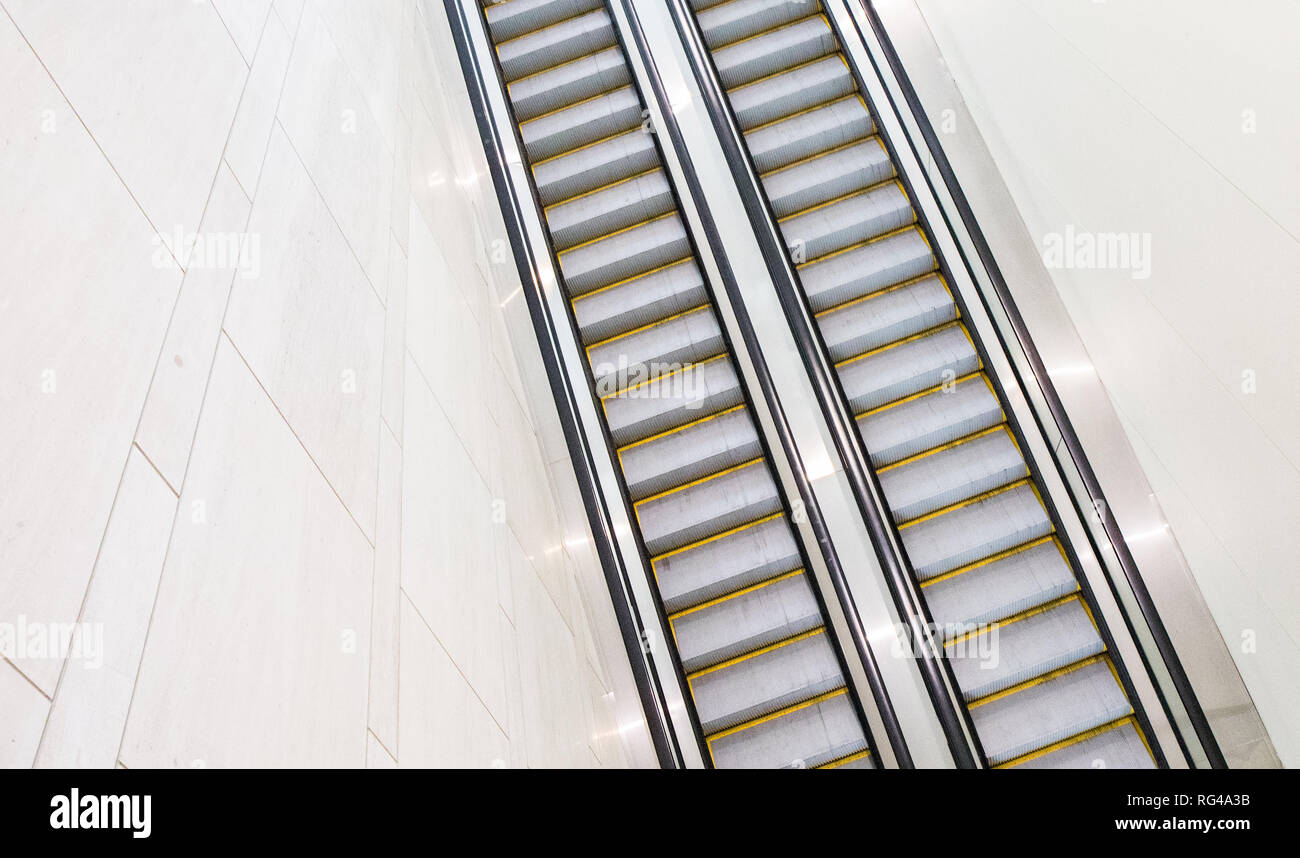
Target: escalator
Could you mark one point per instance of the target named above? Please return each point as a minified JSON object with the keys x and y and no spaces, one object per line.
{"x":749,"y":631}
{"x":1042,"y":685}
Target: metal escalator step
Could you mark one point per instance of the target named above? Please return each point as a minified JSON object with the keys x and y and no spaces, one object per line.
{"x":827,"y":177}
{"x":766,"y":681}
{"x":625,"y":254}
{"x":807,"y":736}
{"x":558,"y":43}
{"x":690,"y":453}
{"x":662,"y":347}
{"x":1040,"y":715}
{"x":980,"y":529}
{"x":908,"y":367}
{"x":515,"y":18}
{"x":817,"y":130}
{"x":609,"y":209}
{"x":579,"y":124}
{"x":595,"y":166}
{"x":800,"y":88}
{"x":857,"y":271}
{"x":569,"y":83}
{"x":626,"y":306}
{"x":747,"y":621}
{"x":733,"y":561}
{"x":708,"y":507}
{"x":782,"y":49}
{"x":1119,"y":747}
{"x":952,"y":474}
{"x":741,"y":19}
{"x":836,"y":225}
{"x":1017,"y":581}
{"x":929,"y":419}
{"x":671,"y":400}
{"x":1010,"y":653}
{"x":886,"y":317}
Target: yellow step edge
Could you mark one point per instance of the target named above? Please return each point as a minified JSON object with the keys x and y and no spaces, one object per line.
{"x":552,"y":25}
{"x":627,"y":280}
{"x":659,"y":378}
{"x":900,"y":285}
{"x":701,"y":480}
{"x":758,"y":522}
{"x":777,"y":28}
{"x":808,"y":159}
{"x":994,"y":558}
{"x":685,"y":426}
{"x":948,"y":445}
{"x":837,"y":55}
{"x":1017,"y":617}
{"x":1077,"y":739}
{"x":577,"y":103}
{"x":858,"y":245}
{"x":586,"y":56}
{"x":860,"y":192}
{"x":844,"y":761}
{"x":642,"y":328}
{"x":805,"y":111}
{"x":604,"y":187}
{"x":584,"y":146}
{"x":911,"y":338}
{"x":780,"y":713}
{"x":1056,"y":673}
{"x":772,"y":647}
{"x":735,"y":594}
{"x":871,"y":412}
{"x":979,"y":498}
{"x":625,"y":229}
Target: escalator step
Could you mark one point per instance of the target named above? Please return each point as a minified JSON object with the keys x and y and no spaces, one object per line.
{"x":754,"y":618}
{"x":977,"y":530}
{"x":827,"y":177}
{"x":636,"y":250}
{"x":1120,"y":747}
{"x":742,"y":558}
{"x":780,"y":50}
{"x":741,"y":19}
{"x":952,"y":474}
{"x":696,"y":450}
{"x":909,"y":367}
{"x":662,"y":347}
{"x":836,"y":225}
{"x":615,"y":207}
{"x":801,"y":88}
{"x":822,"y":128}
{"x":515,"y":18}
{"x":886,"y":317}
{"x":766,"y":681}
{"x":666,"y":402}
{"x":558,"y":43}
{"x":595,"y":166}
{"x":708,"y":507}
{"x":809,"y":735}
{"x":857,"y":271}
{"x":1023,"y":579}
{"x":626,"y":306}
{"x":927,"y":420}
{"x":585,"y":122}
{"x":568,"y":83}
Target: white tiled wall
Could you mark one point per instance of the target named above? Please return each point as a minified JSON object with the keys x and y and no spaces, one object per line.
{"x":293,"y":490}
{"x":1177,"y":120}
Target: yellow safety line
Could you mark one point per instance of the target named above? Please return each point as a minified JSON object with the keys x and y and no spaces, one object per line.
{"x":586,"y":56}
{"x":589,"y":242}
{"x":606,"y":139}
{"x":858,"y":245}
{"x":920,"y":335}
{"x":1015,"y":618}
{"x":780,"y":713}
{"x":1086,"y":661}
{"x":732,"y":662}
{"x":605,"y":187}
{"x":872,"y":412}
{"x":860,"y":192}
{"x":664,"y":434}
{"x":791,"y":70}
{"x":948,"y":445}
{"x":994,"y":558}
{"x":844,"y":761}
{"x":825,"y":153}
{"x":770,"y":30}
{"x":664,"y":321}
{"x":627,"y":280}
{"x":717,"y":536}
{"x":577,"y":103}
{"x":836,"y":100}
{"x":902,"y":284}
{"x":743,"y":591}
{"x":982,"y":496}
{"x":553,"y":25}
{"x":658,"y":378}
{"x":724,"y":472}
{"x":1079,"y":738}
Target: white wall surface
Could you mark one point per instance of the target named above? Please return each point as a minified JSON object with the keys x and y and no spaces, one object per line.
{"x":312,"y":497}
{"x":1176,"y":119}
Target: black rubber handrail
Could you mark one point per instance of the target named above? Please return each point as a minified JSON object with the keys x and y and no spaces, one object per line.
{"x":631,"y":625}
{"x":1070,"y":439}
{"x":936,"y":673}
{"x":766,"y":386}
